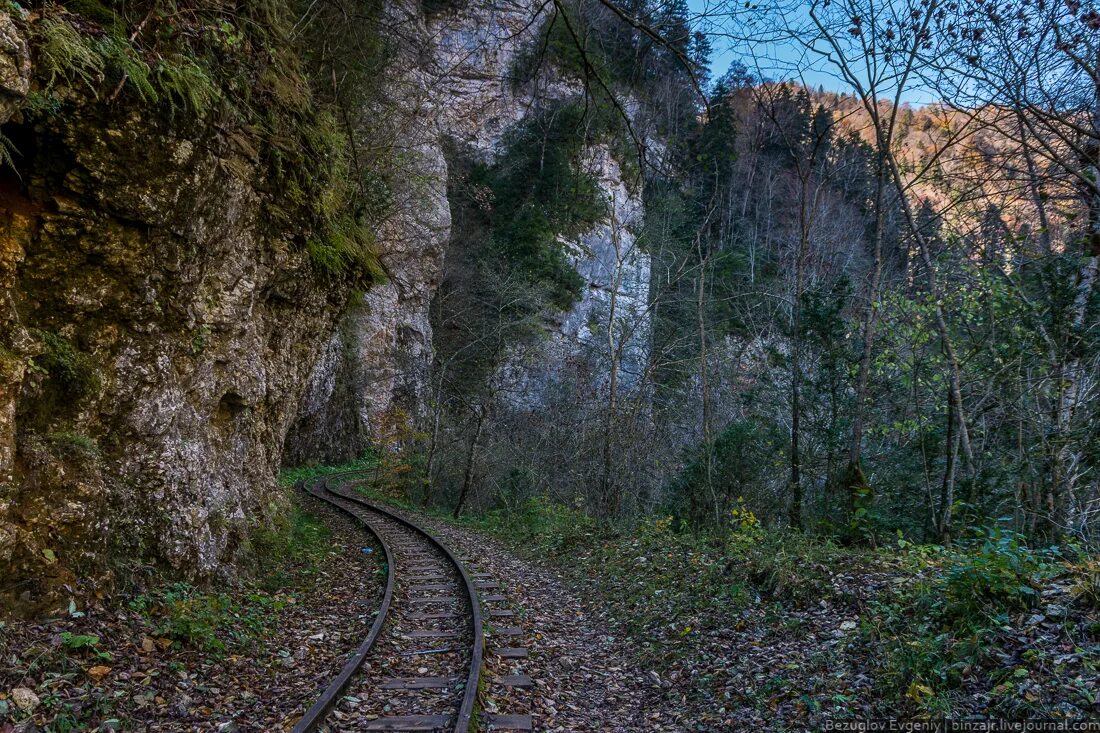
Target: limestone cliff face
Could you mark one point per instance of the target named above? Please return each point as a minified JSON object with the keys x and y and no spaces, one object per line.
{"x":608,"y":330}
{"x":156,"y":335}
{"x":165,"y":343}
{"x":454,"y":85}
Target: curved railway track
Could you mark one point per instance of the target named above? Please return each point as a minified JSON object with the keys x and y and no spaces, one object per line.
{"x":419,"y":667}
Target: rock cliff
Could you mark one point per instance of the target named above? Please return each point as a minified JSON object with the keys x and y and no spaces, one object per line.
{"x":165,"y":342}
{"x":156,"y":335}
{"x":459,"y":88}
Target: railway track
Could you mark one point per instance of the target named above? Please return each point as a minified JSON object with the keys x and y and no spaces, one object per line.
{"x":419,"y":667}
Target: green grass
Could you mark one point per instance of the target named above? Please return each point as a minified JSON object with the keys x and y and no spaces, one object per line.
{"x":293,"y":555}
{"x":289,"y":558}
{"x":208,"y":622}
{"x":347,"y":248}
{"x":292,"y":476}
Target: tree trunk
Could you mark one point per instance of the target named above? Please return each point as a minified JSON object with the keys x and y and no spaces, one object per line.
{"x":1060,"y":483}
{"x":947,"y":491}
{"x":939,"y":318}
{"x":471,"y":458}
{"x":705,"y":388}
{"x":795,"y":513}
{"x":433,"y":442}
{"x":857,"y":488}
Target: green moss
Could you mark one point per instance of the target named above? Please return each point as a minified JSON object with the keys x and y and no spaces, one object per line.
{"x":74,"y":444}
{"x":71,"y":370}
{"x":258,"y":68}
{"x":9,"y":362}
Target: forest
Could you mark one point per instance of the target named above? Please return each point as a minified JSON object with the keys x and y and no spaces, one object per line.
{"x":863,"y":316}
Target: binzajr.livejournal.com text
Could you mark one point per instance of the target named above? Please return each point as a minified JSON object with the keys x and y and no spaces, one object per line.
{"x":962,"y":726}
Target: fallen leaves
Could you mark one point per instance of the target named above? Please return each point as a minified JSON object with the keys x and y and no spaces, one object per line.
{"x":24,"y":699}
{"x":107,"y":662}
{"x":98,"y":672}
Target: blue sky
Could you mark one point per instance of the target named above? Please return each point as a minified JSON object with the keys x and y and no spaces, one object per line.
{"x":771,"y":59}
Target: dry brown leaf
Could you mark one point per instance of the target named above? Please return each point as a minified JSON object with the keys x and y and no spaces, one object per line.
{"x":98,"y":672}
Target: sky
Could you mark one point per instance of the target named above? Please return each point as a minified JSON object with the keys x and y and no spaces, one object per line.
{"x":771,"y":59}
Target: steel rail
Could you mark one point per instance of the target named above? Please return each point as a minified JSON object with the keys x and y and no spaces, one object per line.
{"x":469,"y":699}
{"x":319,"y":710}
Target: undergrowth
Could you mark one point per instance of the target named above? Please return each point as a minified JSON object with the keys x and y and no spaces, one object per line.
{"x":944,"y":616}
{"x":946,"y":623}
{"x":937,"y":617}
{"x":71,"y":370}
{"x":218,"y":622}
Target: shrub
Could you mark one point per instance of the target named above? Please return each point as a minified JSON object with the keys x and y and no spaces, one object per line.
{"x":74,"y":444}
{"x":928,"y":633}
{"x":551,"y":526}
{"x":741,"y":457}
{"x":996,"y":574}
{"x":1087,"y":589}
{"x":746,"y":530}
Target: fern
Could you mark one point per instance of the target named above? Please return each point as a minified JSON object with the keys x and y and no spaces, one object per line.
{"x":66,"y":54}
{"x":188,"y":84}
{"x":7,"y":151}
{"x":120,"y":55}
{"x":347,"y":248}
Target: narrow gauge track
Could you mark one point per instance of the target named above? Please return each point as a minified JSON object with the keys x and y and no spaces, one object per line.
{"x":426,"y":645}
